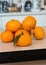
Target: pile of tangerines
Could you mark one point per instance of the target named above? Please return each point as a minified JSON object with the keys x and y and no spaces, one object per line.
{"x":20,"y":33}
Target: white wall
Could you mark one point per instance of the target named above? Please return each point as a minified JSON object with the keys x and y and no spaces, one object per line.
{"x":41,"y":19}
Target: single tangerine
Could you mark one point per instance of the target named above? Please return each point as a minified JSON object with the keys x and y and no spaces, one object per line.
{"x":13,"y":25}
{"x":25,"y":39}
{"x":7,"y":36}
{"x":38,"y":32}
{"x":29,"y":23}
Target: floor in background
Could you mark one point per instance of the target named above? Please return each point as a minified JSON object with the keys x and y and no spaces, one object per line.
{"x":40,"y":62}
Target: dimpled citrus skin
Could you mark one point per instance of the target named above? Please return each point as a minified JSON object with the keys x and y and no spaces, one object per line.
{"x":13,"y":25}
{"x":20,"y":31}
{"x":7,"y":36}
{"x":25,"y":39}
{"x":38,"y":32}
{"x":29,"y":23}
